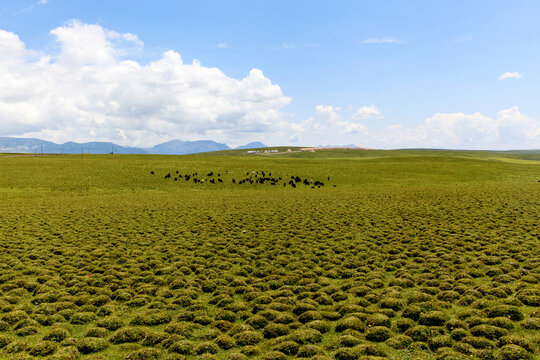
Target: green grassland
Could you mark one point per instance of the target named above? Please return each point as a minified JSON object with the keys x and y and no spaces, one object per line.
{"x":405,"y":254}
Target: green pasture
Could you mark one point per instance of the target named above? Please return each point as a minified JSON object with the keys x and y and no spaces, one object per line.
{"x":401,"y":254}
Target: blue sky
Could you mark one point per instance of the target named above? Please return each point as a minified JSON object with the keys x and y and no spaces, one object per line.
{"x":380,"y":74}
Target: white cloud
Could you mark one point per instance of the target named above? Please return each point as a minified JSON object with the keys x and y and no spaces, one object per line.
{"x":383,"y":40}
{"x":510,"y":75}
{"x":222,"y":46}
{"x":10,"y":45}
{"x":83,"y":44}
{"x":509,"y":130}
{"x":328,"y":112}
{"x":91,"y":91}
{"x":367,"y":112}
{"x":328,"y":126}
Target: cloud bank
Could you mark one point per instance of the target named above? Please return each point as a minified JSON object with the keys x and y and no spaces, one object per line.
{"x":510,"y":129}
{"x":91,"y":91}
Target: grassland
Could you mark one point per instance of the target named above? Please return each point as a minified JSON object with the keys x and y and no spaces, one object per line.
{"x":412,"y":254}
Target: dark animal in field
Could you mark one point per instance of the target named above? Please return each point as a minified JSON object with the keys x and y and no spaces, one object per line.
{"x":255,"y":177}
{"x":329,"y":178}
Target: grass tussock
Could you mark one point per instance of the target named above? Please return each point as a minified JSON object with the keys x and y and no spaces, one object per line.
{"x":411,"y":255}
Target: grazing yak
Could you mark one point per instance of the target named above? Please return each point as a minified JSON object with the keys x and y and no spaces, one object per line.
{"x":253,"y":177}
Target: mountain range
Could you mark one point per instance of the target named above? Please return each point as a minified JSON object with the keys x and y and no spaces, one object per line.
{"x":173,"y":147}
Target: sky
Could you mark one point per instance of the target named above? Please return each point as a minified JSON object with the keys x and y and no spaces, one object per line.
{"x":377,"y":74}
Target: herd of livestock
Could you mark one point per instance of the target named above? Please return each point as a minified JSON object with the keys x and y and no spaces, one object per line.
{"x":256,"y":177}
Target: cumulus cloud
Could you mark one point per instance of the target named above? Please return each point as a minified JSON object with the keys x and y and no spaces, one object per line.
{"x":91,"y":90}
{"x":328,"y":125}
{"x":367,"y":112}
{"x":510,"y":129}
{"x":510,"y":75}
{"x":330,"y":120}
{"x":11,"y":46}
{"x":383,"y":40}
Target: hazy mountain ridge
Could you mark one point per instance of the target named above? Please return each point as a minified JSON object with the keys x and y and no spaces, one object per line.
{"x":173,"y":147}
{"x":31,"y":145}
{"x":252,"y":145}
{"x":178,"y":147}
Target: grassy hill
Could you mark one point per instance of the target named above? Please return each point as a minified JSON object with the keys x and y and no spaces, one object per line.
{"x":405,"y":253}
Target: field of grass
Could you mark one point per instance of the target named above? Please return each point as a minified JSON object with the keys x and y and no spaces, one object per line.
{"x":400,"y":254}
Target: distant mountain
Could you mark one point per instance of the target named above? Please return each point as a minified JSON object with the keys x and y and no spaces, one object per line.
{"x":337,"y":146}
{"x":8,"y":144}
{"x":174,"y":147}
{"x":178,"y":147}
{"x":25,"y":145}
{"x":252,"y":145}
{"x":99,"y":148}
